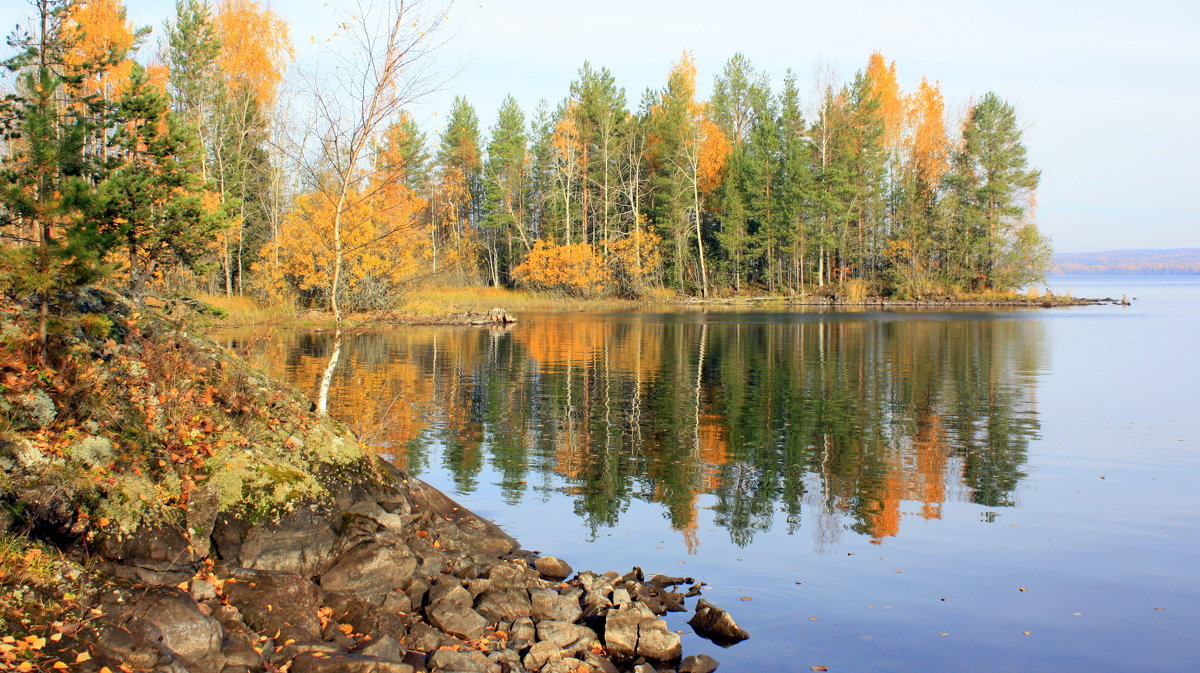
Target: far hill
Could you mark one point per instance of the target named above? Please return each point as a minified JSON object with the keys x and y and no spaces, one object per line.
{"x":1128,"y":262}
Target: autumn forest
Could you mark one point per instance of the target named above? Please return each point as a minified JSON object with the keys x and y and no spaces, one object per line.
{"x":201,"y":157}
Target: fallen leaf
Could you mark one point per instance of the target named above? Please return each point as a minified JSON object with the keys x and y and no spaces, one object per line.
{"x":943,"y":635}
{"x":818,"y":668}
{"x":1028,"y":633}
{"x":747,"y":598}
{"x":58,"y":666}
{"x":1021,"y":589}
{"x":82,"y":657}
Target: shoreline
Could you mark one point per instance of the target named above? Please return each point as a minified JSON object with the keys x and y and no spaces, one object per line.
{"x":477,"y":315}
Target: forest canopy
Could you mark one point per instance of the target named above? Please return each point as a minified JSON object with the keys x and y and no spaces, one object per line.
{"x":181,"y":160}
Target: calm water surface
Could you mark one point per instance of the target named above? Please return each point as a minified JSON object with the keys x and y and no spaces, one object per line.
{"x":863,"y":490}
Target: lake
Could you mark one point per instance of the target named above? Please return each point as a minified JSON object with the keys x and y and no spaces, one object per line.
{"x":866,"y":490}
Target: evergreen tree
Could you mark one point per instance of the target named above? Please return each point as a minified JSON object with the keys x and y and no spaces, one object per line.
{"x":47,"y":177}
{"x":504,"y":178}
{"x":154,"y":200}
{"x":991,"y":184}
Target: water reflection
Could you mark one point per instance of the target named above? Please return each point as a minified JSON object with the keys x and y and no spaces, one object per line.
{"x":862,"y":419}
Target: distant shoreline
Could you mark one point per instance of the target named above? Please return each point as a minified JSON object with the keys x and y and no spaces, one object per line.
{"x":1166,"y":262}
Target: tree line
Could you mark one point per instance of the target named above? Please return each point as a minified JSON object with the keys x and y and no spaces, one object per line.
{"x":202,"y":167}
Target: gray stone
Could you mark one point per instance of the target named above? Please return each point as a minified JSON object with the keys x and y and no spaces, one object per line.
{"x":548,"y":604}
{"x":657,"y":642}
{"x":508,"y":660}
{"x":452,"y":614}
{"x":172,"y":619}
{"x":564,"y":634}
{"x":301,"y":543}
{"x":621,"y":630}
{"x":552,"y":568}
{"x":370,"y":572}
{"x":564,"y":665}
{"x":503,"y":605}
{"x":715,"y":624}
{"x":315,"y":662}
{"x":523,"y":634}
{"x":239,"y":650}
{"x":469,"y":661}
{"x":383,"y":647}
{"x":698,"y":663}
{"x":272,"y":602}
{"x":540,"y":654}
{"x":424,"y":637}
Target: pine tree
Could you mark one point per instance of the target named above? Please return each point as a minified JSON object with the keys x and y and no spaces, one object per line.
{"x":47,"y":177}
{"x":991,"y":185}
{"x":504,"y":178}
{"x":154,"y":200}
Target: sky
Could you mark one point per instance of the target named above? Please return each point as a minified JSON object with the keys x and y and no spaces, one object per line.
{"x":1108,"y":91}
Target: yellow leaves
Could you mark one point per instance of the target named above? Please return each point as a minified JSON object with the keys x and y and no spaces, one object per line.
{"x":886,"y":89}
{"x":575,"y":269}
{"x":930,"y":150}
{"x":254,"y":48}
{"x":82,"y":657}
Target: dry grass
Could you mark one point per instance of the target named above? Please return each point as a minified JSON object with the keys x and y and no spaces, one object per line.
{"x":247,"y":311}
{"x":438,"y":300}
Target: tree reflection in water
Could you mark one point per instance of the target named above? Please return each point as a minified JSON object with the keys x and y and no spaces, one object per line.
{"x":852,"y":414}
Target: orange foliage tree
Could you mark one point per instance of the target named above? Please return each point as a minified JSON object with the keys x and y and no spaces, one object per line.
{"x":574,"y":268}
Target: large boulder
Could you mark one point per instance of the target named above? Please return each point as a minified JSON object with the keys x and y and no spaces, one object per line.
{"x":452,"y":613}
{"x":300,"y":543}
{"x":370,"y":571}
{"x":272,"y":602}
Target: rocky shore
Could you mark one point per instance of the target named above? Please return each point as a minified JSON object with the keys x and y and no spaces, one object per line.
{"x":168,"y":508}
{"x":389,"y":578}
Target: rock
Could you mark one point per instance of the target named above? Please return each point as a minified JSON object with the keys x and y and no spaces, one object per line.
{"x":698,"y":663}
{"x":634,"y":631}
{"x":540,"y":654}
{"x":238,"y":649}
{"x":469,"y":661}
{"x":452,"y":613}
{"x":383,"y":647}
{"x":270,"y":602}
{"x":498,"y":606}
{"x":508,"y":660}
{"x":643,"y":668}
{"x":552,"y":568}
{"x":424,"y":637}
{"x":548,"y":604}
{"x":564,"y":665}
{"x":499,"y":316}
{"x":485,"y":537}
{"x":173,"y":620}
{"x":565,"y":635}
{"x":370,"y":571}
{"x":715,"y":624}
{"x":164,"y":544}
{"x":313,"y":662}
{"x":657,"y":642}
{"x":202,"y":507}
{"x":600,"y":663}
{"x":621,"y":630}
{"x":301,"y":543}
{"x":116,"y":646}
{"x":523,"y":634}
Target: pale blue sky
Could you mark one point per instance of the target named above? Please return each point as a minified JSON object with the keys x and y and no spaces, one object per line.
{"x":1109,"y":90}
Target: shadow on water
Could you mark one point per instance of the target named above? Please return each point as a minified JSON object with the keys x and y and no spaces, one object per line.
{"x":845,"y":416}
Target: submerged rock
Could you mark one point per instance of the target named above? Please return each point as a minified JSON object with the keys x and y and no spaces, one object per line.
{"x":698,"y":663}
